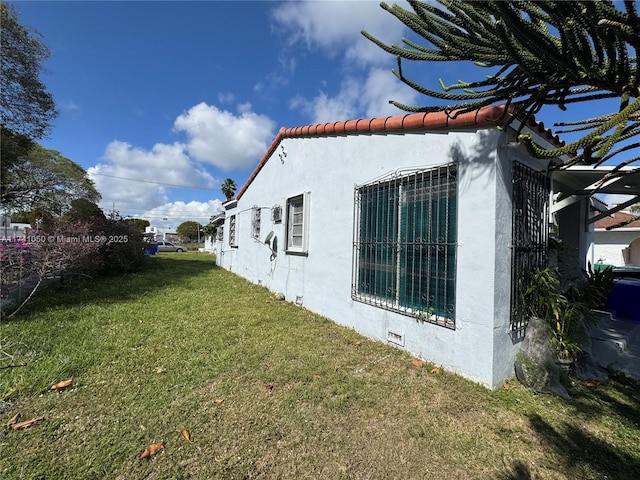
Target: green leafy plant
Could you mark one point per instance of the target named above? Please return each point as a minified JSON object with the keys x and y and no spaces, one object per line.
{"x":562,"y":306}
{"x":426,"y":316}
{"x":597,"y":285}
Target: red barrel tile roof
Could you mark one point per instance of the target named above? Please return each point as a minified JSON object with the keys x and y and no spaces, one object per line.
{"x":490,"y":116}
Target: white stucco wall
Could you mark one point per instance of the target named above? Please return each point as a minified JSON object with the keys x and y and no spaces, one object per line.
{"x":609,"y":244}
{"x":480,"y":347}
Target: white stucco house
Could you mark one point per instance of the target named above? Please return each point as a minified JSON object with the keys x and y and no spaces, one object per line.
{"x":11,"y":230}
{"x":414,"y":230}
{"x":617,"y":240}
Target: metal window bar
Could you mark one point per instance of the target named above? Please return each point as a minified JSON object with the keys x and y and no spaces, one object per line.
{"x":255,"y":222}
{"x":405,"y":241}
{"x":232,"y":231}
{"x":530,"y":235}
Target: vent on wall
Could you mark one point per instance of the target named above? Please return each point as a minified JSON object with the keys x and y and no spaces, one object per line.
{"x":276,"y":214}
{"x":395,"y":337}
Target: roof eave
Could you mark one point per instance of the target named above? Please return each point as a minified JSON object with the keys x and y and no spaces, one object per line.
{"x":492,"y":116}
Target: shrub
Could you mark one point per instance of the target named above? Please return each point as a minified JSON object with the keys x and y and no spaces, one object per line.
{"x":62,"y":249}
{"x":67,"y":250}
{"x":123,"y":247}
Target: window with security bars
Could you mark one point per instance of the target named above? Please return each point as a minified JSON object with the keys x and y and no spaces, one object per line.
{"x":233,"y":237}
{"x":405,"y":244}
{"x":219,"y":233}
{"x":255,"y":222}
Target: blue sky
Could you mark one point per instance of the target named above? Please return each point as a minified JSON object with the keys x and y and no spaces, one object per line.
{"x":154,"y":96}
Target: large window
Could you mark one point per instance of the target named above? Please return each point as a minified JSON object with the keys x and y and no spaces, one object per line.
{"x":297,"y":223}
{"x":405,"y":244}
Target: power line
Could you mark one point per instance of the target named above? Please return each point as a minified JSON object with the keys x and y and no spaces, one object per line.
{"x":141,"y":211}
{"x":149,"y":181}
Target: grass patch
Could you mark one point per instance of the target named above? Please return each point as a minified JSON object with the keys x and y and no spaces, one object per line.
{"x":267,"y":389}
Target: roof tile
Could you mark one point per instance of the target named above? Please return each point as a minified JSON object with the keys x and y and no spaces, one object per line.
{"x":490,"y":116}
{"x":618,"y":217}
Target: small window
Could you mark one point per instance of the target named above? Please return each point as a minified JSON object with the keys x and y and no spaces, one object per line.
{"x":255,"y":222}
{"x":233,"y":237}
{"x":220,"y":233}
{"x":297,"y":223}
{"x":276,"y":214}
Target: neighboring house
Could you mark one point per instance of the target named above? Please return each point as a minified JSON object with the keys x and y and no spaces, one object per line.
{"x":212,"y":241}
{"x":415,"y":230}
{"x":161,"y":235}
{"x":617,"y":246}
{"x":9,"y":230}
{"x":209,"y":244}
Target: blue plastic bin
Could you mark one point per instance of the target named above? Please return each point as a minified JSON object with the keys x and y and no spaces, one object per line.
{"x":624,"y":299}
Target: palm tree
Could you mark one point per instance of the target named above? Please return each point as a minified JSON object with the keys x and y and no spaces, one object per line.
{"x":228,"y":188}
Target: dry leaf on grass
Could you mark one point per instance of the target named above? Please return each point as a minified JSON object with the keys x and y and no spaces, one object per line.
{"x":60,"y":386}
{"x":151,"y":450}
{"x":506,"y":386}
{"x":268,"y":386}
{"x":13,"y":420}
{"x":358,"y":343}
{"x":435,"y":371}
{"x":417,"y":363}
{"x":591,"y":383}
{"x":26,"y":424}
{"x":219,"y":400}
{"x":185,"y":435}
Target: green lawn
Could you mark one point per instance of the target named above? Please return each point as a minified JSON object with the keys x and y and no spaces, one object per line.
{"x":187,"y":345}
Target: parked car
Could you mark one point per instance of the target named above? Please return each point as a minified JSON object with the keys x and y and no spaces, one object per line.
{"x":170,"y":247}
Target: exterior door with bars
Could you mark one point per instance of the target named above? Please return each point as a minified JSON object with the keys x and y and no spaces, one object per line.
{"x":530,"y":238}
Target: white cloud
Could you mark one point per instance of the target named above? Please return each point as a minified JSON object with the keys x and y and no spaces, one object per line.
{"x":380,"y":87}
{"x":177,"y":212}
{"x":71,"y":106}
{"x":244,"y":107}
{"x":324,"y":108}
{"x":72,"y":109}
{"x":613,"y":200}
{"x":272,"y":81}
{"x":370,"y":95}
{"x":134,"y":179}
{"x":225,"y":98}
{"x":131,"y":177}
{"x":334,"y":27}
{"x":220,"y":138}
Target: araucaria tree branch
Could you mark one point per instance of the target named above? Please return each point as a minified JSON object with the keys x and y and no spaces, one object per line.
{"x":542,"y":53}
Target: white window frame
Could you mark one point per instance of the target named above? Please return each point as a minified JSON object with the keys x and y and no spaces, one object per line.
{"x":295,"y":206}
{"x":233,"y":231}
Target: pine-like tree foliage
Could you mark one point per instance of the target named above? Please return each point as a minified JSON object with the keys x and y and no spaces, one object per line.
{"x":26,"y":108}
{"x":543,"y":53}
